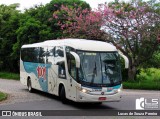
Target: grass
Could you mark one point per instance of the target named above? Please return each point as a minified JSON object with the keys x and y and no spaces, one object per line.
{"x":145,"y":85}
{"x":147,"y":79}
{"x":9,"y":75}
{"x":3,"y":96}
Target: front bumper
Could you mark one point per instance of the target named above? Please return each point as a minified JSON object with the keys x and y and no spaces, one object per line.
{"x":84,"y":97}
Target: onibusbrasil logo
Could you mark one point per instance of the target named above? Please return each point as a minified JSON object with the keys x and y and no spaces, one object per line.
{"x":143,"y":103}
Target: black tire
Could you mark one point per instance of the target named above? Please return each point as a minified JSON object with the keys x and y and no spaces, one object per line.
{"x":63,"y":95}
{"x":29,"y":84}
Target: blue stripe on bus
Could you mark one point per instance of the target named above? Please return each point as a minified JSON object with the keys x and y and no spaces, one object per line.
{"x":32,"y":68}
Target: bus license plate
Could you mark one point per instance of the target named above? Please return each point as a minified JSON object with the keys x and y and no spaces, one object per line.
{"x":102,"y":98}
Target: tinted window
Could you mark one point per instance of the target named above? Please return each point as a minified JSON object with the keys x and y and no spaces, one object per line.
{"x":30,"y":55}
{"x":59,"y":51}
{"x":42,"y":55}
{"x":50,"y":55}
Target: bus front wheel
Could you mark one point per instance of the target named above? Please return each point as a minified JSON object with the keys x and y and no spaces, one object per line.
{"x":29,"y":84}
{"x":63,"y":95}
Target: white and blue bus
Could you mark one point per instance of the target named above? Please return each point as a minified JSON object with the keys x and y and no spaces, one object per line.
{"x":76,"y":69}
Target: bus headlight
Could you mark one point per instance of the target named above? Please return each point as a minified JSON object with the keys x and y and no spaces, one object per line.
{"x":83,"y":90}
{"x":119,"y":90}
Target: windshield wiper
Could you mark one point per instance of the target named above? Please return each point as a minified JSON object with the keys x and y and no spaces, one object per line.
{"x":94,"y":73}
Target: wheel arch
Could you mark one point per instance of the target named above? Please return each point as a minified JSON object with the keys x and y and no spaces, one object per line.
{"x":28,"y":77}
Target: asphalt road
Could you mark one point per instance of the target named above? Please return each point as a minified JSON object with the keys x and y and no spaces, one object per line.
{"x":20,"y":99}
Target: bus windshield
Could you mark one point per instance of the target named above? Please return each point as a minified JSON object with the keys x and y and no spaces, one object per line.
{"x":99,"y":68}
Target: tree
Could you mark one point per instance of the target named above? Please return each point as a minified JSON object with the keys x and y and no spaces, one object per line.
{"x":58,"y":10}
{"x":41,"y":16}
{"x":30,"y":31}
{"x":153,"y":61}
{"x":36,"y":25}
{"x":79,"y":22}
{"x":9,"y":22}
{"x":132,"y":27}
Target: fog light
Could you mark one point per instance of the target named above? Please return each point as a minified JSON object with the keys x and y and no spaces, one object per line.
{"x":119,"y":90}
{"x":80,"y":97}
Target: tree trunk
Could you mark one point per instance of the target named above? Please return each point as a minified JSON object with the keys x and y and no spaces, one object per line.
{"x":132,"y":73}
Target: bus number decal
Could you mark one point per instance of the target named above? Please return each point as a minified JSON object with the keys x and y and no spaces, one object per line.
{"x":41,"y":71}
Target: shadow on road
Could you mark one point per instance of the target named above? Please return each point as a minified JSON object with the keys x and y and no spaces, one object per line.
{"x":77,"y":105}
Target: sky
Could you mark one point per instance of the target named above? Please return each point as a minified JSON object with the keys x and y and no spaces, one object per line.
{"x":30,"y":3}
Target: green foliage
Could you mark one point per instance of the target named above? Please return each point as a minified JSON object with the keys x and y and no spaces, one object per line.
{"x":9,"y":22}
{"x":150,"y":74}
{"x":153,"y":61}
{"x":37,"y":24}
{"x":145,"y":85}
{"x":147,"y":79}
{"x":34,"y":25}
{"x":57,"y":4}
{"x":3,"y":96}
{"x":9,"y":75}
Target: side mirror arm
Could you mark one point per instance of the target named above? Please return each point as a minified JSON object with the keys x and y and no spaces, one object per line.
{"x":77,"y":59}
{"x":125,"y":59}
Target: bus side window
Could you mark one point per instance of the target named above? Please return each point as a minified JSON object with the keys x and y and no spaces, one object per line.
{"x":61,"y":70}
{"x":59,"y":51}
{"x":41,"y":55}
{"x":33,"y":54}
{"x":50,"y":55}
{"x":30,"y":54}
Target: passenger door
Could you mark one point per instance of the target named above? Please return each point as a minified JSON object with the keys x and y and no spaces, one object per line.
{"x":60,"y":62}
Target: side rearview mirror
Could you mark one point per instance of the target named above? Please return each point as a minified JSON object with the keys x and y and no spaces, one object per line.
{"x":125,"y":59}
{"x":77,"y":58}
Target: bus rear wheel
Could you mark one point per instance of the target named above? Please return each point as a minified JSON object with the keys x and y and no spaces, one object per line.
{"x":63,"y":95}
{"x":29,"y":84}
